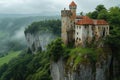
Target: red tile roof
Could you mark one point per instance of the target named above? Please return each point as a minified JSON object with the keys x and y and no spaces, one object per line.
{"x":72,"y":4}
{"x":101,"y":22}
{"x":85,"y":20}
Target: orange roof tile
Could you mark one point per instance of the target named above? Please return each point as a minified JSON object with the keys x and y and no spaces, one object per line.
{"x":72,"y":4}
{"x":85,"y":20}
{"x":101,"y":22}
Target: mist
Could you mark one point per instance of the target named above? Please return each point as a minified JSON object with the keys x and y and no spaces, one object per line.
{"x":12,"y":31}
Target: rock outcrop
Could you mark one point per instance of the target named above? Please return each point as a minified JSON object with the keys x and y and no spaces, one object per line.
{"x":37,"y":42}
{"x":99,"y":70}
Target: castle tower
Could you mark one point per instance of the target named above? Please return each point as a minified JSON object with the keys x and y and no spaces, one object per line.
{"x":68,"y":23}
{"x":73,"y":8}
{"x":65,"y":20}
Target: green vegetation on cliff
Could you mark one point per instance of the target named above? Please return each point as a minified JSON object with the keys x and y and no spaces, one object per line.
{"x":53,"y":26}
{"x":56,"y":49}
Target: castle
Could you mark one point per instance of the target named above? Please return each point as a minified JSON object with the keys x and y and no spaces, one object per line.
{"x":81,"y":29}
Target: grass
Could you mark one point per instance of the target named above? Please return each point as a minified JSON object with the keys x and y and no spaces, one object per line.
{"x":8,"y":57}
{"x":77,"y":55}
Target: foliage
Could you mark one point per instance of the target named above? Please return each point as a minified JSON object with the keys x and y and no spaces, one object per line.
{"x":98,"y":12}
{"x":27,"y":67}
{"x":56,"y":49}
{"x":8,"y":57}
{"x":81,"y":55}
{"x":53,"y":26}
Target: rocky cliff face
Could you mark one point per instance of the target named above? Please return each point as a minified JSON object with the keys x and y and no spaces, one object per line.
{"x":37,"y":41}
{"x":99,"y":70}
{"x":57,"y":70}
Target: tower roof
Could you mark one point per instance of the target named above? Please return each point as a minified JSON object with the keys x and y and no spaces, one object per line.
{"x":72,"y":4}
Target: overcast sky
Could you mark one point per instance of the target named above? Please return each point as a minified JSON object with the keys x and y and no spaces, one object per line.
{"x":50,"y":6}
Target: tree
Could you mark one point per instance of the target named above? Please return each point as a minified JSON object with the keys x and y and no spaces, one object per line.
{"x":98,"y":12}
{"x":100,"y":8}
{"x":55,"y":49}
{"x":114,"y":18}
{"x":103,"y":14}
{"x":81,"y":13}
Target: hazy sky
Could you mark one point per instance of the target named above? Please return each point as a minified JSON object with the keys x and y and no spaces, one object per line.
{"x":50,"y":6}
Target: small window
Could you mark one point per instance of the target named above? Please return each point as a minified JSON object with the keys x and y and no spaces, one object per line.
{"x":93,"y":27}
{"x":79,"y":39}
{"x":77,"y":33}
{"x":107,"y":28}
{"x":76,"y":39}
{"x":79,"y":27}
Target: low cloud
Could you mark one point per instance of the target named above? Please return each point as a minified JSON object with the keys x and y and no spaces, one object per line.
{"x":50,"y":6}
{"x":19,"y":34}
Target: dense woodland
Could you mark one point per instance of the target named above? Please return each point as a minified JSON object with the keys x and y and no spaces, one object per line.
{"x":51,"y":26}
{"x":37,"y":67}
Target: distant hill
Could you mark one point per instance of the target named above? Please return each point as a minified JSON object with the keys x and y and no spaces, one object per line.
{"x":19,"y":15}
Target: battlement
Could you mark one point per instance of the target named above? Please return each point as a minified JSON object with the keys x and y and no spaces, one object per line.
{"x":66,"y":13}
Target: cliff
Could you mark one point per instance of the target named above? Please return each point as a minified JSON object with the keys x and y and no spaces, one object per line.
{"x":37,"y":42}
{"x":84,"y":69}
{"x":39,"y":34}
{"x":89,"y":63}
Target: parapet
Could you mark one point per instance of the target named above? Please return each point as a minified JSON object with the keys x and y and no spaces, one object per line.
{"x":66,"y":13}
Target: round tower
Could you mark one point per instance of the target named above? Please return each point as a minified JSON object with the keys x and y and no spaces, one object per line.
{"x":73,"y":8}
